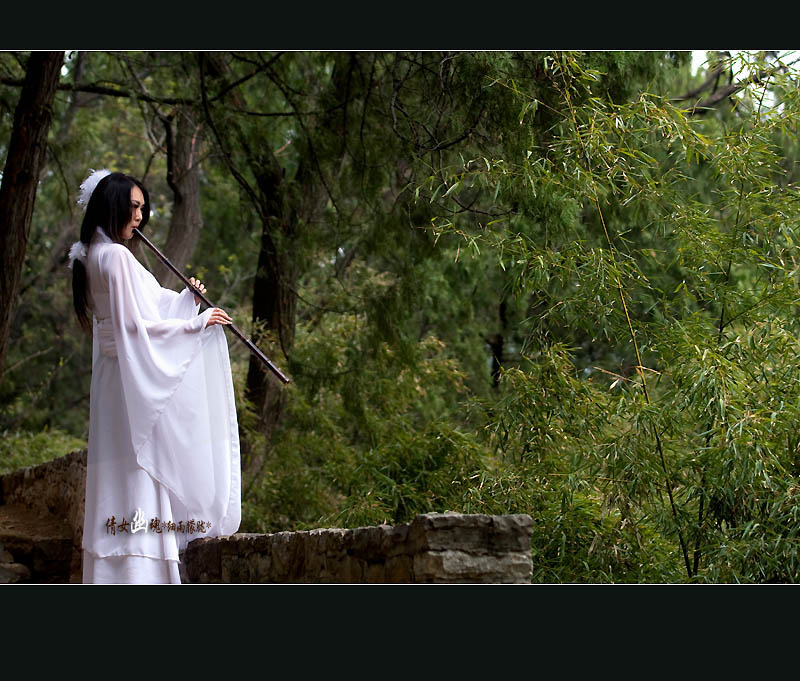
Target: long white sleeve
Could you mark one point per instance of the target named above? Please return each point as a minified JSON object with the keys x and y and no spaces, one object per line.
{"x":174,"y":305}
{"x":153,"y":352}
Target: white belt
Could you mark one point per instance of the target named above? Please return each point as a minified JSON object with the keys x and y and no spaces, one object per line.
{"x":105,"y":337}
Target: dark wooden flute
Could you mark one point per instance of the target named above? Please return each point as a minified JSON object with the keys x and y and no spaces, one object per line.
{"x":251,"y":346}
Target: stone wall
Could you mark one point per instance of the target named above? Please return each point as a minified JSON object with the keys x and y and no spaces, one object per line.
{"x":433,"y":549}
{"x":53,"y":488}
{"x":53,"y":491}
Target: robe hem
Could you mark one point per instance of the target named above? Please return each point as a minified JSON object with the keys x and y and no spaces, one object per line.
{"x":123,"y":555}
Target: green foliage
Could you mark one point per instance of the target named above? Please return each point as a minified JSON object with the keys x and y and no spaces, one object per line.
{"x":21,"y":449}
{"x":635,"y":261}
{"x":680,"y":265}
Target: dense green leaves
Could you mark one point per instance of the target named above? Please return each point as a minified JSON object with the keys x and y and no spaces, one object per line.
{"x":629,"y":261}
{"x":683,"y":258}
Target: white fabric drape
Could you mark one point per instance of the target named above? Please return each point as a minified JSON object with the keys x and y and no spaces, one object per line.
{"x":163,"y":434}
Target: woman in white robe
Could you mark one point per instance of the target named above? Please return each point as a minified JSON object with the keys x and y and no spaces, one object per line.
{"x":163,"y":451}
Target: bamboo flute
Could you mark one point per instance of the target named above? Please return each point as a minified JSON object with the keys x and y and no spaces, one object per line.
{"x":232,"y":327}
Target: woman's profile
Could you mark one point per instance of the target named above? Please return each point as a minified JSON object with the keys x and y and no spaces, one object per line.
{"x":163,"y":447}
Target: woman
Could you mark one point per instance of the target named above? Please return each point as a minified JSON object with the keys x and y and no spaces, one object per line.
{"x":163,"y":448}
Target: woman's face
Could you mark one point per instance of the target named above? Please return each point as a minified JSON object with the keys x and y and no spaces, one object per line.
{"x":137,"y":203}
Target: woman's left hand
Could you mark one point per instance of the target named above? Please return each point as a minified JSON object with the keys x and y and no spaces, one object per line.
{"x":199,"y":285}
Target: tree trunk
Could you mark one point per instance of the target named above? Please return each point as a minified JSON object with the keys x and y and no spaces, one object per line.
{"x":274,"y":297}
{"x":26,"y":155}
{"x":183,"y":178}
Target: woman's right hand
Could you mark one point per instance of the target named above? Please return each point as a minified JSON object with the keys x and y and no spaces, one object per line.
{"x":218,"y":316}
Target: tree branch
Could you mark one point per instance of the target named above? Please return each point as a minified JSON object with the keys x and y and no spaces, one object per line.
{"x":107,"y":91}
{"x":97,"y":89}
{"x":225,"y":153}
{"x":717,"y":95}
{"x":244,"y":79}
{"x":730,"y":90}
{"x":707,"y":83}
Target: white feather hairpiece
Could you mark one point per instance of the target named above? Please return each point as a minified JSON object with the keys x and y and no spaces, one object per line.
{"x":77,"y":252}
{"x":89,"y":184}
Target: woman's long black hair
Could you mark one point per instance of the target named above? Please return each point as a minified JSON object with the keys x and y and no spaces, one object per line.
{"x":110,"y":208}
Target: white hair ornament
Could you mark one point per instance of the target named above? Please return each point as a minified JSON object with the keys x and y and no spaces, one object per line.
{"x":88,"y":185}
{"x":78,"y":250}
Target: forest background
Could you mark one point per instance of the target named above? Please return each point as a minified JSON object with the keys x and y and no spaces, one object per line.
{"x":561,"y":284}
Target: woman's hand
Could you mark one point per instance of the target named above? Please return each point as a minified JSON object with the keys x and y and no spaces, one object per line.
{"x":218,"y":316}
{"x":199,"y":285}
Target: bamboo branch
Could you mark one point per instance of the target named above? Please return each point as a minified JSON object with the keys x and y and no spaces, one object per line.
{"x":631,"y":332}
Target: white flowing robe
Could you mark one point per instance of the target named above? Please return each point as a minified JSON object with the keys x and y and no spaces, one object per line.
{"x":163,"y":436}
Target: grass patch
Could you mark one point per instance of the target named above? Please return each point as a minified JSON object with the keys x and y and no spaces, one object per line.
{"x":21,"y":449}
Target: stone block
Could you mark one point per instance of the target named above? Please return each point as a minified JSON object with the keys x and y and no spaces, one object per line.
{"x":234,"y":570}
{"x":13,"y":573}
{"x":395,"y":539}
{"x":262,"y":568}
{"x":459,"y":567}
{"x":399,"y":569}
{"x":443,"y":531}
{"x":335,"y":542}
{"x":367,"y":543}
{"x":202,"y":560}
{"x":313,"y":548}
{"x":5,"y":556}
{"x":510,"y":533}
{"x":288,"y":558}
{"x":348,"y":569}
{"x":52,"y":556}
{"x":375,"y":573}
